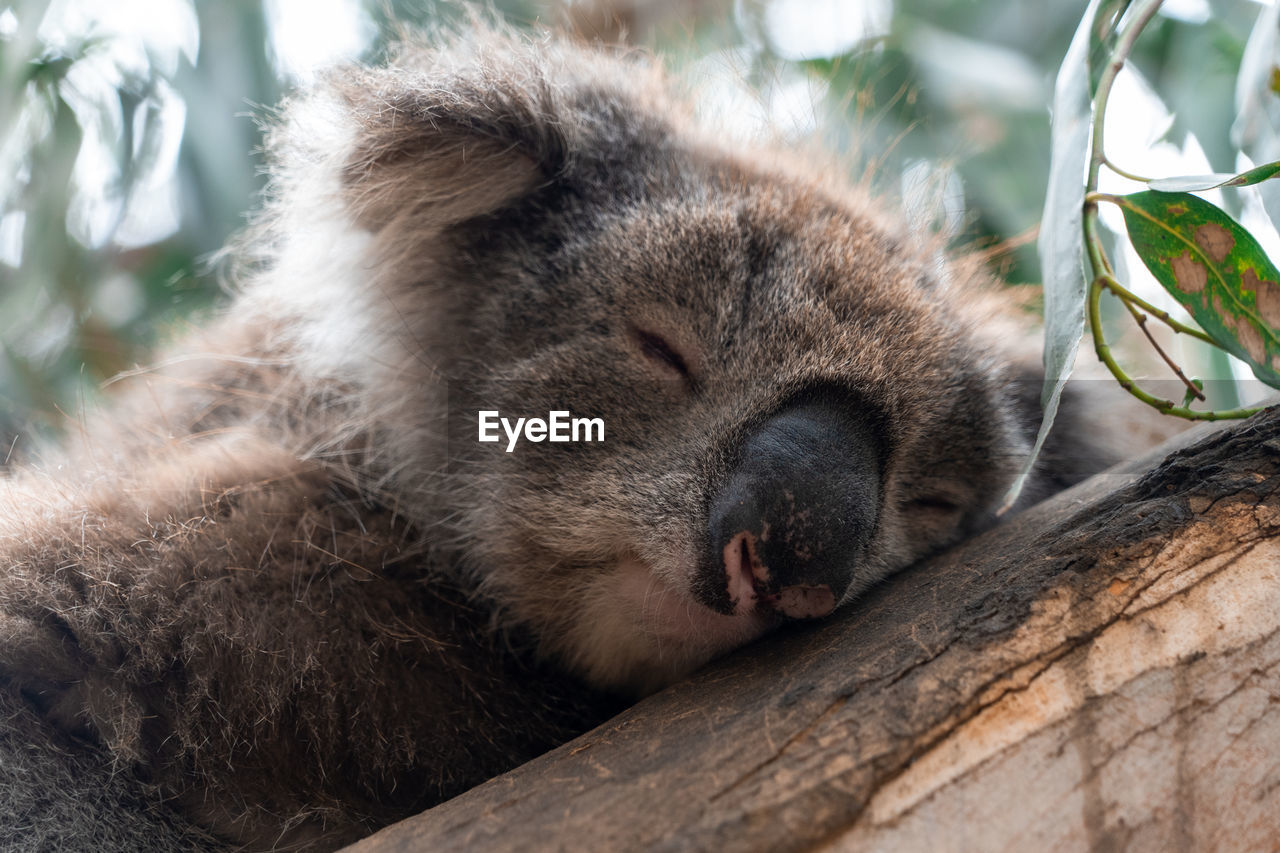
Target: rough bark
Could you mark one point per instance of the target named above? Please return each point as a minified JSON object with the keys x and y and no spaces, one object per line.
{"x":1101,"y":672}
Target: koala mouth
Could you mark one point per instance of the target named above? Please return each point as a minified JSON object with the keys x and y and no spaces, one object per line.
{"x":750,"y":586}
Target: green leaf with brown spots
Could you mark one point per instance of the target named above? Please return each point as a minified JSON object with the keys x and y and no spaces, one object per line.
{"x":1215,"y":269}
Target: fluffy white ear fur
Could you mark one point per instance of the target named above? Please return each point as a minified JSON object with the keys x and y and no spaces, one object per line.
{"x":366,"y":166}
{"x":314,"y":259}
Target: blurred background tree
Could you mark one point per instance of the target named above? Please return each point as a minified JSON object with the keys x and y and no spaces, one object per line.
{"x":129,"y":149}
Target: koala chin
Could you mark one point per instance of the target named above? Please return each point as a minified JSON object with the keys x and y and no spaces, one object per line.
{"x":281,"y":578}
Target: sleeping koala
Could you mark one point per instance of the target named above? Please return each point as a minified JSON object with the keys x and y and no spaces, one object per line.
{"x":287,"y":589}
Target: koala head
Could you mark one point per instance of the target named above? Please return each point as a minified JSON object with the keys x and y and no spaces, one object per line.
{"x":794,"y":403}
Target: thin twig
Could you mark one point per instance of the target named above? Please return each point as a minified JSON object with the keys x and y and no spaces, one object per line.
{"x":1141,"y":320}
{"x":1169,"y":407}
{"x":1129,"y":297}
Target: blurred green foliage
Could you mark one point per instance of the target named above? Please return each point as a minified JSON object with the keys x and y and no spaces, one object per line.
{"x":959,"y":85}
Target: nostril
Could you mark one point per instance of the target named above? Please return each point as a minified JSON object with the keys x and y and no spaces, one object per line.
{"x":742,"y":570}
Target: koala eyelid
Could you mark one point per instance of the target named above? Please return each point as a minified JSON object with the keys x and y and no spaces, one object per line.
{"x":656,"y":348}
{"x":935,"y":504}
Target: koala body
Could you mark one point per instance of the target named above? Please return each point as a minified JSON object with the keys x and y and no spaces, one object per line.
{"x":282,"y":585}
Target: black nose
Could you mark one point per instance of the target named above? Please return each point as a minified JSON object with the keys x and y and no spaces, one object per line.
{"x":789,"y":524}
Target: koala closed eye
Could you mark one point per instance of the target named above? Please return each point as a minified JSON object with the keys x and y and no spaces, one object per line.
{"x":658,"y":350}
{"x":939,"y":518}
{"x":934,"y":505}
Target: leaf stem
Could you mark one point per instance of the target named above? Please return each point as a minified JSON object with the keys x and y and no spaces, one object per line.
{"x":1124,"y":173}
{"x":1130,"y":298}
{"x":1168,"y":407}
{"x":1141,"y":17}
{"x":1097,"y":148}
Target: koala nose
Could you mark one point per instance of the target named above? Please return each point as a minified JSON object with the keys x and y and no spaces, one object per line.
{"x":791,"y":521}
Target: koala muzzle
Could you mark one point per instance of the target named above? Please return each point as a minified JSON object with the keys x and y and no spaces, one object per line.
{"x":792,"y":519}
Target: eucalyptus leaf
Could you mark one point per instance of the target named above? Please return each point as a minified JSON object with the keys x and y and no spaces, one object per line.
{"x":1215,"y":269}
{"x":1061,"y":241}
{"x":1256,"y":130}
{"x":1197,"y":183}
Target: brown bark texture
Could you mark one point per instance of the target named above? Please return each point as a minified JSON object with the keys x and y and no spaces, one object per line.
{"x":1100,"y":672}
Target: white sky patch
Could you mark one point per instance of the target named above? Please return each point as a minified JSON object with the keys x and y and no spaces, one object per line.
{"x":1254,"y":216}
{"x":786,"y":106}
{"x":817,"y":29}
{"x":8,"y":23}
{"x":136,"y":32}
{"x":308,"y":35}
{"x":12,"y":226}
{"x":724,"y":100}
{"x":1187,"y":11}
{"x":791,"y":104}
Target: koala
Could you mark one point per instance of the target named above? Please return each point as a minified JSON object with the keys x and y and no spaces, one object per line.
{"x":278,"y":591}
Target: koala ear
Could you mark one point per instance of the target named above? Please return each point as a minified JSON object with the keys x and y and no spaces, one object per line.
{"x":445,"y":138}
